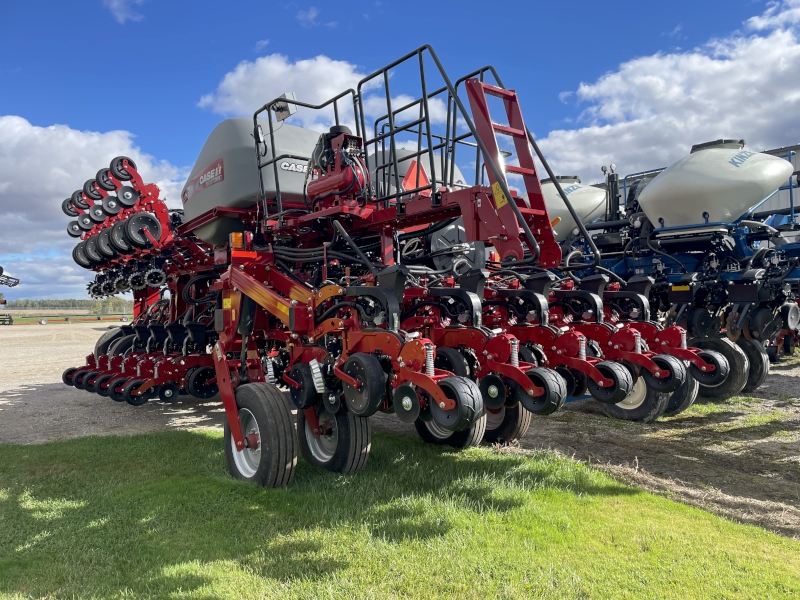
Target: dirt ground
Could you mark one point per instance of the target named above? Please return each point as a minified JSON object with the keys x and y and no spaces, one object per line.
{"x":739,"y":458}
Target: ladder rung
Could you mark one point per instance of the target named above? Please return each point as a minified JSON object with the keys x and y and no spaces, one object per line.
{"x":520,"y":170}
{"x":509,"y":130}
{"x":498,"y":92}
{"x":531,"y":211}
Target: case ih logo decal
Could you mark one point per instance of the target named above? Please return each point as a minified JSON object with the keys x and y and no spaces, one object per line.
{"x":213,"y":173}
{"x":287,"y":166}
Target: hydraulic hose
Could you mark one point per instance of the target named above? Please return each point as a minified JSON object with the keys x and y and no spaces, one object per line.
{"x":361,"y":255}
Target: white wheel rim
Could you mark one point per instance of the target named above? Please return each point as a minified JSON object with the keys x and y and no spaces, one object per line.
{"x":637,"y":396}
{"x":437,"y":430}
{"x":494,"y":420}
{"x":323,"y":447}
{"x":247,"y":460}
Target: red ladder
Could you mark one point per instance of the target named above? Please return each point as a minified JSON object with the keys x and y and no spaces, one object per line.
{"x":536,"y":215}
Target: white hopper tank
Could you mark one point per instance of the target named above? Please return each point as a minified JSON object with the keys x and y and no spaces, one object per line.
{"x":589,"y":203}
{"x":720,"y":179}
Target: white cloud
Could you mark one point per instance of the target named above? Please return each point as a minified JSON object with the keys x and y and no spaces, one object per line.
{"x":261,"y":44}
{"x":39,"y":168}
{"x":308,"y":18}
{"x":650,"y":111}
{"x":123,"y":10}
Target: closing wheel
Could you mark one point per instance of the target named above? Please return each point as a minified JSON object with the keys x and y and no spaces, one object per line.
{"x":132,"y":395}
{"x":118,"y":170}
{"x":775,"y":353}
{"x":621,"y":386}
{"x":168,"y":393}
{"x":270,"y":458}
{"x":103,"y":181}
{"x":202,"y":383}
{"x":737,"y":360}
{"x":450,"y":359}
{"x":368,"y":398}
{"x":78,"y":201}
{"x":468,"y":408}
{"x":306,"y":395}
{"x":101,"y":384}
{"x":507,"y":425}
{"x":78,"y":378}
{"x":553,"y":398}
{"x":343,"y":444}
{"x":759,"y":363}
{"x":136,"y":226}
{"x":67,"y":375}
{"x":116,"y":388}
{"x":68,"y":209}
{"x":676,"y":374}
{"x":89,"y":381}
{"x":405,"y":401}
{"x":643,"y":404}
{"x":683,"y":397}
{"x":90,"y":192}
{"x":715,"y":377}
{"x":494,"y":393}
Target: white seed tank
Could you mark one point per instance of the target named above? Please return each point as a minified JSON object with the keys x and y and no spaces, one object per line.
{"x":589,"y":203}
{"x":719,"y":178}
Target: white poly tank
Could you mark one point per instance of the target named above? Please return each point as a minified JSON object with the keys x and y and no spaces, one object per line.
{"x":720,"y":179}
{"x":589,"y":203}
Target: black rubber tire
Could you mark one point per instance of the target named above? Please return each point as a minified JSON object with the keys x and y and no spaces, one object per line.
{"x":642,"y":405}
{"x":683,"y":397}
{"x":118,"y":170}
{"x":195,"y":385}
{"x":90,"y":192}
{"x":89,"y":381}
{"x":135,"y":226}
{"x":74,"y":229}
{"x":347,"y":452}
{"x":469,"y":404}
{"x":97,"y":214}
{"x":365,"y":368}
{"x":450,"y":359}
{"x":555,"y":391}
{"x":104,"y":246}
{"x":78,"y":377}
{"x":759,"y":363}
{"x":100,"y":382}
{"x":68,"y":209}
{"x":116,"y":387}
{"x":509,"y":425}
{"x":669,"y":384}
{"x":168,"y":393}
{"x":78,"y":200}
{"x":737,"y":360}
{"x":277,"y":457}
{"x":131,"y":388}
{"x":431,"y":433}
{"x":92,"y":253}
{"x":103,"y":182}
{"x":306,"y":395}
{"x":775,"y":353}
{"x":79,"y":256}
{"x":623,"y":383}
{"x":121,"y":345}
{"x":66,"y":376}
{"x":118,"y":239}
{"x":103,"y":343}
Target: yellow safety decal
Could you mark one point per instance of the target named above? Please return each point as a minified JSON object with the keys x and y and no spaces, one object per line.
{"x":226,"y":303}
{"x":680,"y":288}
{"x":500,"y":199}
{"x":283,"y":308}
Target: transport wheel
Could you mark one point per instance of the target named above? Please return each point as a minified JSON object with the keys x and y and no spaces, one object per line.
{"x":78,"y":378}
{"x":683,"y":397}
{"x":132,"y":395}
{"x":508,"y":425}
{"x":89,"y":381}
{"x":67,"y":375}
{"x":555,"y":391}
{"x":739,"y":368}
{"x":266,"y":422}
{"x":759,"y":363}
{"x":469,"y":404}
{"x":643,"y":405}
{"x":343,"y":444}
{"x":432,"y":433}
{"x":118,"y":170}
{"x":198,"y":383}
{"x":620,"y":388}
{"x":676,"y":377}
{"x":366,"y":369}
{"x":116,"y":387}
{"x":101,"y":384}
{"x":68,"y":209}
{"x":168,"y":393}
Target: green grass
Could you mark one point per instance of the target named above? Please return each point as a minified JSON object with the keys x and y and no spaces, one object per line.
{"x":157,"y":515}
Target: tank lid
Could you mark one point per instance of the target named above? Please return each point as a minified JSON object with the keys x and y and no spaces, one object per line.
{"x":733,"y":144}
{"x":563,"y":179}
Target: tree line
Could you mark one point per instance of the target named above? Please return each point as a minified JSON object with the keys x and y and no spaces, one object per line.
{"x":106,"y":306}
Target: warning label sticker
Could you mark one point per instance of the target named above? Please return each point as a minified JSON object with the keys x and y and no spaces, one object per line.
{"x":500,"y":199}
{"x":212,"y":174}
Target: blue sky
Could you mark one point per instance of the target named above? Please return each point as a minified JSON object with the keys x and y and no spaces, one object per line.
{"x":632,"y":82}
